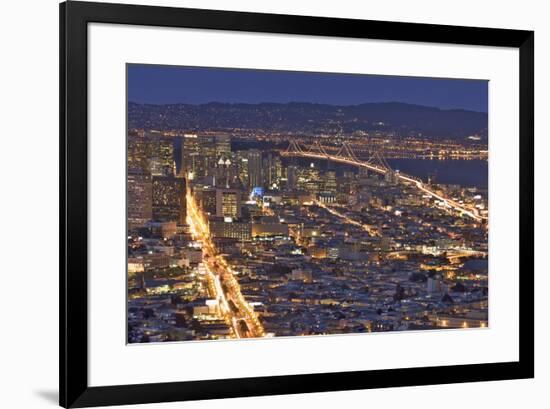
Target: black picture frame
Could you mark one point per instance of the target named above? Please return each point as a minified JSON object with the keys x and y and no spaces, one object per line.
{"x":73,"y":379}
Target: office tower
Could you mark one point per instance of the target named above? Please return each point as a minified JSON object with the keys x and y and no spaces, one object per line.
{"x":162,"y":157}
{"x":139,"y":199}
{"x":223,"y":146}
{"x":291,"y":176}
{"x":272,"y":169}
{"x":309,"y":179}
{"x":269,"y":175}
{"x":169,"y":199}
{"x":152,"y":153}
{"x":277,"y":170}
{"x":207,"y":199}
{"x":139,"y":151}
{"x":189,"y":155}
{"x":208,"y":157}
{"x":241,"y":158}
{"x":228,"y":203}
{"x":330,"y":181}
{"x":347,"y":188}
{"x":254,"y":168}
{"x":225,"y":173}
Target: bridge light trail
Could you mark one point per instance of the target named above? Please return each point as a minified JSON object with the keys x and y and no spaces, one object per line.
{"x":295,"y":150}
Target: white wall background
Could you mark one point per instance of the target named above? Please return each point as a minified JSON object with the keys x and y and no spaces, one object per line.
{"x":29,"y":201}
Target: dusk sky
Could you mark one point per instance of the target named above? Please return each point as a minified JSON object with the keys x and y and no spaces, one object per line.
{"x":155,"y":84}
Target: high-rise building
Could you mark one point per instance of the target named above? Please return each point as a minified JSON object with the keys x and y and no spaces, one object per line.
{"x":139,"y":199}
{"x":346,"y":189}
{"x":189,"y":155}
{"x":330,"y":184}
{"x":277,"y":170}
{"x":228,"y":203}
{"x":272,"y":169}
{"x":241,"y":158}
{"x":208,"y":156}
{"x":223,"y":146}
{"x":139,"y":151}
{"x":162,"y":157}
{"x":269,"y":175}
{"x":309,"y":179}
{"x":150,"y":152}
{"x":254,"y":168}
{"x":225,"y":173}
{"x":169,"y":199}
{"x":291,"y":176}
{"x":207,"y":199}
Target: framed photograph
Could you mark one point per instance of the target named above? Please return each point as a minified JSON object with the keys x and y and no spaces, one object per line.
{"x":257,"y":204}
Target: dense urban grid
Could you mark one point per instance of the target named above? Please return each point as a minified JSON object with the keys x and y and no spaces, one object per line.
{"x":241,"y":233}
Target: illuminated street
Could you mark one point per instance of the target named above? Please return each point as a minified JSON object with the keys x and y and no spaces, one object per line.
{"x":371,"y":230}
{"x":220,"y":272}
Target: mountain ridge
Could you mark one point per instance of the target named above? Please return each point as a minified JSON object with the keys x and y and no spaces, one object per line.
{"x":306,"y":117}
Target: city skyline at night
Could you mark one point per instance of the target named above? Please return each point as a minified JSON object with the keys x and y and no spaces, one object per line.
{"x":316,"y":217}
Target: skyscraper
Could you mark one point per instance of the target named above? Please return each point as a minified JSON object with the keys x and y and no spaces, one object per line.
{"x":254,"y":168}
{"x":139,"y":188}
{"x":139,"y":151}
{"x":291,"y":176}
{"x":169,"y":199}
{"x":272,"y":169}
{"x":228,"y":203}
{"x":208,"y":156}
{"x":277,"y":170}
{"x":242,"y":167}
{"x":225,"y":173}
{"x":309,"y":179}
{"x":189,"y":154}
{"x":330,"y":184}
{"x":162,"y":157}
{"x":223,"y":146}
{"x":269,"y":175}
{"x":207,"y":200}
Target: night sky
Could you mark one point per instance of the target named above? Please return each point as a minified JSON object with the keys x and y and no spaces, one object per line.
{"x":155,"y":84}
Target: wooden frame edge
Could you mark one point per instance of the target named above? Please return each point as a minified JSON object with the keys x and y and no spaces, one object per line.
{"x":73,"y":380}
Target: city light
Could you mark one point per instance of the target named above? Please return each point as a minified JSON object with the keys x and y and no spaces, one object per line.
{"x":221,"y":272}
{"x":303,"y":220}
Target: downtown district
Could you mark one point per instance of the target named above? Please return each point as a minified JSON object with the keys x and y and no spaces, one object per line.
{"x":229,"y":237}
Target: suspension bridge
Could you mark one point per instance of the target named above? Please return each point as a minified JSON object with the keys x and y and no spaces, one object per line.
{"x":376,"y":163}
